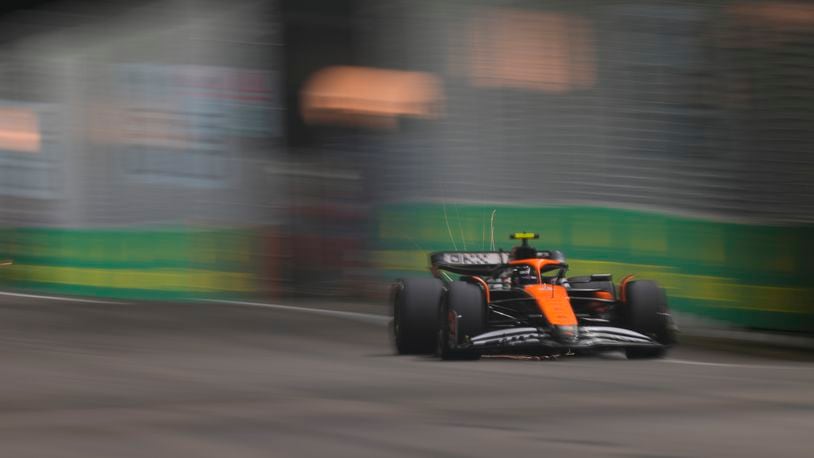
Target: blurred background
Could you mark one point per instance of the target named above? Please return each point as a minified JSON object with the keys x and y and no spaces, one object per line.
{"x":180,"y":149}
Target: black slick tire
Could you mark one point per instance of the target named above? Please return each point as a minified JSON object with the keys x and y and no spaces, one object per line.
{"x":416,"y":302}
{"x":645,"y":311}
{"x":464,"y":313}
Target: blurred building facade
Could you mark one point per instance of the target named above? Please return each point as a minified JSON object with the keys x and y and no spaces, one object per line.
{"x":146,"y":114}
{"x":319,"y":147}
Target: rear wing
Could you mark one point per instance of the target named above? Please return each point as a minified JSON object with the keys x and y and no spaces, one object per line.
{"x":469,"y":262}
{"x":483,"y":262}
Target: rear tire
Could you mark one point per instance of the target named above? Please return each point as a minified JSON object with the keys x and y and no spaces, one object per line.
{"x":645,"y":311}
{"x":466,"y":304}
{"x":416,"y":302}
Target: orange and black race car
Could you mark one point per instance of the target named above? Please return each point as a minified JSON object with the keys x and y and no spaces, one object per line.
{"x":522,"y":302}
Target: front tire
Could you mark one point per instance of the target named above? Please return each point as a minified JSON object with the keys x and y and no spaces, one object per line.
{"x":464,"y":314}
{"x":416,"y":302}
{"x":645,"y":311}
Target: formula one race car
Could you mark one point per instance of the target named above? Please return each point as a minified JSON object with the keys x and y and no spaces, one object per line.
{"x":523,"y":303}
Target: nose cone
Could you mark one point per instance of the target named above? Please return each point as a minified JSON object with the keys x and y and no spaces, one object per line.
{"x":554,"y":304}
{"x":566,"y":334}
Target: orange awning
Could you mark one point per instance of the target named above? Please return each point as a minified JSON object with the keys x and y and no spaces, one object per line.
{"x":369,"y":96}
{"x":19,"y":130}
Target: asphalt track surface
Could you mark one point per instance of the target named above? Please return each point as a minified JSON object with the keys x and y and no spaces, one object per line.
{"x":226,"y":380}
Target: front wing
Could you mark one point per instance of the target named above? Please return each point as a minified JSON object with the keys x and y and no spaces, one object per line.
{"x":529,"y":340}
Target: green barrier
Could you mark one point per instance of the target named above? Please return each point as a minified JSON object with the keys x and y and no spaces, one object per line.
{"x":140,"y":264}
{"x":750,"y":275}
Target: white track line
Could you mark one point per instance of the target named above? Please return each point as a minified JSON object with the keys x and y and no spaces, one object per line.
{"x":59,"y":298}
{"x":383,"y":319}
{"x":364,"y":317}
{"x":743,"y":366}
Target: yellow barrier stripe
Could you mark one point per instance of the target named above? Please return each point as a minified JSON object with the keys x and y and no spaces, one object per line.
{"x":724,"y":292}
{"x":152,"y":279}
